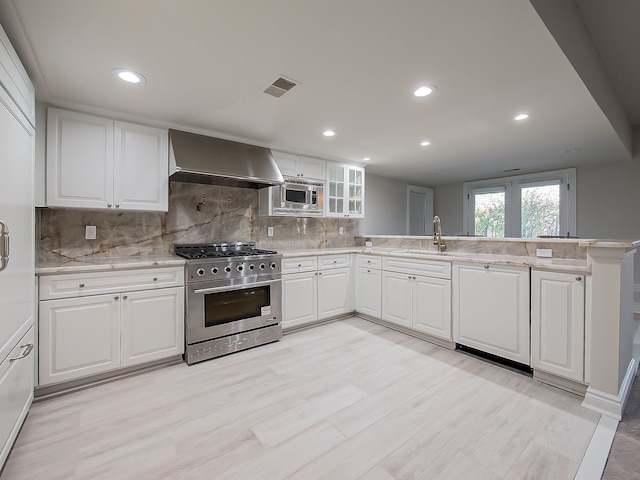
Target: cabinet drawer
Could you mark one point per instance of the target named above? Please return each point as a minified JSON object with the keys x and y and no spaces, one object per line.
{"x":333,"y":261}
{"x":369,"y":261}
{"x":427,"y":268}
{"x":299,"y":264}
{"x":83,"y":284}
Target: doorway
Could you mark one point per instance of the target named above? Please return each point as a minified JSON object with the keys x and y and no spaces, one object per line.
{"x":419,"y":210}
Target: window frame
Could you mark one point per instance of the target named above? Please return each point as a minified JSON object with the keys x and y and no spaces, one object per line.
{"x":512,"y":187}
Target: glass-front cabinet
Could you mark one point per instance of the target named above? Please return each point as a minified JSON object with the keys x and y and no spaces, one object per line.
{"x":345,"y":191}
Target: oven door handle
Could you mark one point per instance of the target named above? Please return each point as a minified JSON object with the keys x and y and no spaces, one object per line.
{"x":243,"y":286}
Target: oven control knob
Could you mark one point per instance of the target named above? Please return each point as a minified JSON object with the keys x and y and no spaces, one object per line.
{"x":239,"y":268}
{"x":262,"y":266}
{"x":227,"y":269}
{"x":200,"y":272}
{"x":273,"y":265}
{"x":252,"y":267}
{"x":214,"y":270}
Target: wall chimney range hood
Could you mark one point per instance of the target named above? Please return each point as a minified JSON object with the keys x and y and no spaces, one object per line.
{"x":197,"y":158}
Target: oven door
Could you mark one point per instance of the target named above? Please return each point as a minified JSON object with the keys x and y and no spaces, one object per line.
{"x":214,"y":311}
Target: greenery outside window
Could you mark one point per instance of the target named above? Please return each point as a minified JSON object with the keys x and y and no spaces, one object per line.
{"x":526,"y":206}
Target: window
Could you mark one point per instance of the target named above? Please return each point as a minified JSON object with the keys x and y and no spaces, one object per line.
{"x":524,"y":206}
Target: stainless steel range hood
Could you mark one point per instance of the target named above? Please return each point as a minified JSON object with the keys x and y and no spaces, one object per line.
{"x":200,"y":159}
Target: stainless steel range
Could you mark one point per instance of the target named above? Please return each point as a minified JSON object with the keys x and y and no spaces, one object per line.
{"x":233,"y":298}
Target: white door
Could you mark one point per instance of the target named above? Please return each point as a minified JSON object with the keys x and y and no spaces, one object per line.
{"x":17,"y":212}
{"x":141,"y":167}
{"x":79,"y":160}
{"x":491,"y":309}
{"x":397,"y":295}
{"x":557,"y":323}
{"x":78,"y":337}
{"x":299,"y":297}
{"x":151,"y":325}
{"x":334,"y":292}
{"x":432,"y":306}
{"x":419,"y":210}
{"x":368,"y":292}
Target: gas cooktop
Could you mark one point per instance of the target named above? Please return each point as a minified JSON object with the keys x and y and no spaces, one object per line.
{"x":219,"y":250}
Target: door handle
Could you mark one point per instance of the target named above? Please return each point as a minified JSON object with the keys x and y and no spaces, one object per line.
{"x":4,"y":245}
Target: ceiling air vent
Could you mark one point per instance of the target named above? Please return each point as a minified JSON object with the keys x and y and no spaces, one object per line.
{"x":280,"y":87}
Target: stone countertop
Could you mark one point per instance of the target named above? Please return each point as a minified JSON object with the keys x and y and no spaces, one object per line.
{"x":556,"y":264}
{"x":101,"y":264}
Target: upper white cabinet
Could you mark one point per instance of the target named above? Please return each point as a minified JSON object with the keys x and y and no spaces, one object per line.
{"x":99,"y":163}
{"x":557,"y":323}
{"x":491,"y":309}
{"x":344,"y":192}
{"x":300,"y":166}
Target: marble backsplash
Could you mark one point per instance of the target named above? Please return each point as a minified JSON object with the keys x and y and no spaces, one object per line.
{"x":197,"y":213}
{"x":494,"y":246}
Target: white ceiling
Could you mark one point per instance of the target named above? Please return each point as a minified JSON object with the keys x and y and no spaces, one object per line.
{"x":207,"y":63}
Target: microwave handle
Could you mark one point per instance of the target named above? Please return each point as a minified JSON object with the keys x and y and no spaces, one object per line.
{"x":235,"y":287}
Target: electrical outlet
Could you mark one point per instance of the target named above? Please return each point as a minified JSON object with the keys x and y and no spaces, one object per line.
{"x":90,"y":232}
{"x":340,"y":230}
{"x":269,"y":231}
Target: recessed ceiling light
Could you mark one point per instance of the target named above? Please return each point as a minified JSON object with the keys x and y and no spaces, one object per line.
{"x":424,"y":91}
{"x":129,"y":76}
{"x":366,"y":159}
{"x":522,"y":116}
{"x":425,"y":143}
{"x":328,"y":133}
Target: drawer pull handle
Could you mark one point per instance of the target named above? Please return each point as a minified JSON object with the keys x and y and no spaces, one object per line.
{"x":4,"y":245}
{"x":578,"y":278}
{"x":155,"y":279}
{"x":486,"y":267}
{"x":24,"y":354}
{"x":81,"y":285}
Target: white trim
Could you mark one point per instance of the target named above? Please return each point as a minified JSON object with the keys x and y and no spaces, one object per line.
{"x":428,"y":205}
{"x":595,"y":458}
{"x":636,"y":293}
{"x":512,"y":185}
{"x":612,"y":405}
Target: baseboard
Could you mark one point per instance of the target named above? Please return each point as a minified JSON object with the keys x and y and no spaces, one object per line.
{"x":422,"y":336}
{"x":612,"y":405}
{"x":286,"y":330}
{"x":559,"y":382}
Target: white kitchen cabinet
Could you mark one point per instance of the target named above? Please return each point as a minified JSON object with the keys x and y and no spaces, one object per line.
{"x":558,"y":323}
{"x":344,"y":191}
{"x":98,"y":163}
{"x":300,"y":166}
{"x":369,"y":291}
{"x":315,"y":288}
{"x":78,"y":337}
{"x":149,"y":330}
{"x":299,"y":298}
{"x":414,"y":301}
{"x":98,"y":322}
{"x":491,"y":309}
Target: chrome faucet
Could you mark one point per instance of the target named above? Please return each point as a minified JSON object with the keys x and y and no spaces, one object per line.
{"x":437,"y":234}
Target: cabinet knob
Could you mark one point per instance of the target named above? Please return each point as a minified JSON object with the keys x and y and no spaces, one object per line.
{"x":155,"y":279}
{"x":414,"y":278}
{"x":335,"y":261}
{"x":125,"y":297}
{"x":486,"y":267}
{"x":299,"y":264}
{"x":109,"y":205}
{"x":368,"y":271}
{"x":409,"y":277}
{"x":81,"y":285}
{"x":117,"y":205}
{"x":116,"y":298}
{"x":578,"y":278}
{"x":319,"y":273}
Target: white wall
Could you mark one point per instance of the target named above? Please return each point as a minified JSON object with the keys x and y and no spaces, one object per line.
{"x":447,"y":200}
{"x":385,"y":206}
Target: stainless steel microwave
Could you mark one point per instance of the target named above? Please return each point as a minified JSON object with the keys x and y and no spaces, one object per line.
{"x":297,"y":197}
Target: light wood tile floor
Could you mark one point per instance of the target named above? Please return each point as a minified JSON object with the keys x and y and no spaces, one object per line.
{"x":346,"y":400}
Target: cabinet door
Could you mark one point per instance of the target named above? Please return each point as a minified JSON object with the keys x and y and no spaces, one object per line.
{"x":78,"y":337}
{"x":299,"y":298}
{"x":152,"y":325}
{"x":79,"y":160}
{"x":368,"y":292}
{"x":432,"y":306}
{"x":491,"y":309}
{"x":334,"y":292}
{"x":141,"y":168}
{"x":355,"y":192}
{"x":312,"y":168}
{"x":287,"y":163}
{"x":397,"y":298}
{"x":557,"y":323}
{"x":335,"y":190}
{"x":16,"y":391}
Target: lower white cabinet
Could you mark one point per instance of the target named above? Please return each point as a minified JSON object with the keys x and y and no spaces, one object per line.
{"x":417,"y":302}
{"x":322,"y":291}
{"x":369,"y":291}
{"x":491,"y":309}
{"x":87,"y":335}
{"x":557,"y":323}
